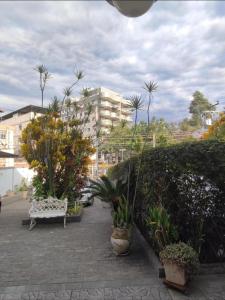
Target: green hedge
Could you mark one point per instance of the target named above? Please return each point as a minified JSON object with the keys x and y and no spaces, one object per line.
{"x":189,"y":180}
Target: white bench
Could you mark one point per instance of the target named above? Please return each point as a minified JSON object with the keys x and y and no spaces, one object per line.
{"x":47,"y":208}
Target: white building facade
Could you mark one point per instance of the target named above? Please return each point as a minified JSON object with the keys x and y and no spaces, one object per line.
{"x":108,"y":109}
{"x":18,"y":120}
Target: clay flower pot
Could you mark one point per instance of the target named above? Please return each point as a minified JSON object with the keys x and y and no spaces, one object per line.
{"x":175,"y":273}
{"x":120,"y":241}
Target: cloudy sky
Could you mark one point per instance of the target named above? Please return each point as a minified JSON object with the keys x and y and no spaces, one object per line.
{"x":178,"y":44}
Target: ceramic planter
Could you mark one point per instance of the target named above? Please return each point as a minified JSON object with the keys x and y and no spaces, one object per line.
{"x":175,"y":273}
{"x":24,"y":194}
{"x":120,"y":241}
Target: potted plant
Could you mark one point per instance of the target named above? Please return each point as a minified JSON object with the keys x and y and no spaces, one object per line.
{"x":180,"y":261}
{"x":107,"y":190}
{"x":23,"y":189}
{"x":122,"y":224}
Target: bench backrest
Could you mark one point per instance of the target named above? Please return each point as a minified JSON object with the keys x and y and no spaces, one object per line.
{"x":49,"y":204}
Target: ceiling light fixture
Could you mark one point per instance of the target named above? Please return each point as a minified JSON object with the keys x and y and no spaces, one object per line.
{"x":132,"y":8}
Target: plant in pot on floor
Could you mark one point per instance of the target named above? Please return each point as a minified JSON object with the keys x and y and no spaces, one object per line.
{"x":113,"y":192}
{"x":180,"y":261}
{"x":122,"y":226}
{"x":107,"y":190}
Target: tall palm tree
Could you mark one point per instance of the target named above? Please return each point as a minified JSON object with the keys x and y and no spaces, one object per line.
{"x":44,"y":76}
{"x":135,"y":104}
{"x":68,"y":90}
{"x":150,"y":87}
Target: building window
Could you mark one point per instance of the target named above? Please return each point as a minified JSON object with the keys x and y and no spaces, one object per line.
{"x":2,"y":135}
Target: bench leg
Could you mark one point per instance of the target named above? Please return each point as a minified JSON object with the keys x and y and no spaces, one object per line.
{"x":32,"y":223}
{"x":65,"y":222}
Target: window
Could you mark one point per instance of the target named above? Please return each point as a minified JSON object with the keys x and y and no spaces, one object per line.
{"x":2,"y":134}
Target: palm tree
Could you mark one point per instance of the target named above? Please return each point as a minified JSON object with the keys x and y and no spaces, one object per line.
{"x":135,"y":104}
{"x":44,"y":77}
{"x":150,"y":87}
{"x":68,"y":90}
{"x":107,"y":190}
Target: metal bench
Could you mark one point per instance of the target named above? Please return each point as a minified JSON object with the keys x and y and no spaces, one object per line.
{"x":47,"y":208}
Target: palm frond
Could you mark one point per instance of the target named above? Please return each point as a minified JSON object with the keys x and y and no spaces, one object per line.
{"x":136,"y":103}
{"x":41,"y":69}
{"x":151,"y":87}
{"x":79,"y":74}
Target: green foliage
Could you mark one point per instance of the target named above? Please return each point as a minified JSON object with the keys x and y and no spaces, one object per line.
{"x":198,"y":105}
{"x":23,"y":186}
{"x":59,"y":154}
{"x":107,"y":190}
{"x":161,"y":228}
{"x":74,"y":210}
{"x":181,"y":254}
{"x":217,"y":129}
{"x":188,"y":180}
{"x":39,"y":190}
{"x":122,"y":216}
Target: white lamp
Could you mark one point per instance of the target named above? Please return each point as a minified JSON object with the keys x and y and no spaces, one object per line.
{"x":132,"y":8}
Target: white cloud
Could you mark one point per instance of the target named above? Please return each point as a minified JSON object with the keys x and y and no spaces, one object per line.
{"x":179,"y":44}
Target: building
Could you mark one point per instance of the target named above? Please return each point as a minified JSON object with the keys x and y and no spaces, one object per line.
{"x":18,"y":120}
{"x":108,"y":109}
{"x":6,"y":144}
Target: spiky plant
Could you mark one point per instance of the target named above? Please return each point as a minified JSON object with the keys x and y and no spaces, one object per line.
{"x":150,"y":87}
{"x":107,"y":190}
{"x":122,"y":217}
{"x":44,"y":76}
{"x":68,"y":91}
{"x":135,"y":104}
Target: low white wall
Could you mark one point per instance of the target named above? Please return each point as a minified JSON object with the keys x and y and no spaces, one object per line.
{"x":12,"y":177}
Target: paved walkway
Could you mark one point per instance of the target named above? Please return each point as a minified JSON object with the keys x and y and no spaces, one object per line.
{"x":51,"y":263}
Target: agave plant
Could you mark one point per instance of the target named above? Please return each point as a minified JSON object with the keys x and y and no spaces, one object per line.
{"x":122,"y":216}
{"x":107,"y":190}
{"x":162,"y":230}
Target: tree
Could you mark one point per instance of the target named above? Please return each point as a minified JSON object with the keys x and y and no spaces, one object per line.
{"x":198,"y":105}
{"x":57,"y":151}
{"x":44,"y":76}
{"x":217,"y":130}
{"x":55,"y":148}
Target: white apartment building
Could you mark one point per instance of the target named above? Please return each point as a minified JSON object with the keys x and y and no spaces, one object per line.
{"x":108,"y":109}
{"x":18,"y":120}
{"x":6,"y":144}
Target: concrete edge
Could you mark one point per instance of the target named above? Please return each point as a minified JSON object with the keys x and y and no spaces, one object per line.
{"x":150,"y":254}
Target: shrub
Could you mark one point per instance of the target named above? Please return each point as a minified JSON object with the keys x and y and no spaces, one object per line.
{"x":188,"y":180}
{"x":181,"y":254}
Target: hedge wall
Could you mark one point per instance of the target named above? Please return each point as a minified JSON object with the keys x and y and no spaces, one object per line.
{"x":189,"y":180}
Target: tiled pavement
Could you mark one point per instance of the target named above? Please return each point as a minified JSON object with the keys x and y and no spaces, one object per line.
{"x":77,"y":262}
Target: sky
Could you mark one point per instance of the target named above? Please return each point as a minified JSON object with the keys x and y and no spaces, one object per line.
{"x":178,"y":44}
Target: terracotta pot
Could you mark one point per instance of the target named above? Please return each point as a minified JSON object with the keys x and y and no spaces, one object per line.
{"x":120,"y":241}
{"x":24,"y":194}
{"x":175,"y":273}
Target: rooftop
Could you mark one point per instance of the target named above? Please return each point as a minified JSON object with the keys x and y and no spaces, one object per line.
{"x":24,"y":110}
